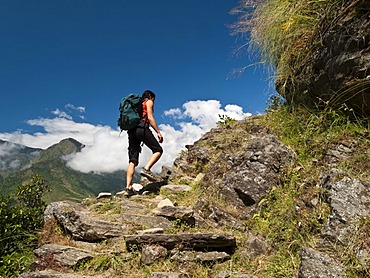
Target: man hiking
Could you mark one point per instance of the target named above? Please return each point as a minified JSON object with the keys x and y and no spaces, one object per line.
{"x":142,"y":134}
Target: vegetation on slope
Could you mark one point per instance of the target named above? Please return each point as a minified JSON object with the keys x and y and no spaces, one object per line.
{"x":310,"y":134}
{"x":277,"y":219}
{"x":288,"y":229}
{"x":21,"y":217}
{"x":65,"y":182}
{"x":286,"y":35}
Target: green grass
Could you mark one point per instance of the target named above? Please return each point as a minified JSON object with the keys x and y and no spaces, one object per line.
{"x":284,"y":218}
{"x":284,"y":35}
{"x":281,"y":218}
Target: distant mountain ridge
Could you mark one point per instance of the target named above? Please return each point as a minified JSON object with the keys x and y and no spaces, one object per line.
{"x":19,"y":163}
{"x":14,"y":157}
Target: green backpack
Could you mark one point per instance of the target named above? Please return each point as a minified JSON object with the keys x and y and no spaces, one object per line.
{"x":129,"y":112}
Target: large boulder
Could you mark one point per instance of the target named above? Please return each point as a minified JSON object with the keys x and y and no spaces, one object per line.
{"x":319,"y":265}
{"x":240,"y":163}
{"x":78,"y":221}
{"x":349,"y":200}
{"x":254,"y":171}
{"x":338,"y":69}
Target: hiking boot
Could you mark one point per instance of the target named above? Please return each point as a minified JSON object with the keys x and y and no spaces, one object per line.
{"x":150,"y":175}
{"x":128,"y":192}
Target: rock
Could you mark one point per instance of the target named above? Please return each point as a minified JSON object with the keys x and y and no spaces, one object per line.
{"x":132,"y":207}
{"x":77,"y":221}
{"x":229,"y":274}
{"x":61,"y":255}
{"x":146,"y":221}
{"x":254,"y":171}
{"x":152,"y":253}
{"x":315,"y":264}
{"x":137,"y":186}
{"x":184,"y":214}
{"x":254,"y":163}
{"x":200,"y":257}
{"x":338,"y":67}
{"x":256,"y":247}
{"x":169,"y":275}
{"x":104,"y":195}
{"x":55,"y":274}
{"x":202,"y":242}
{"x":150,"y":231}
{"x":176,"y":188}
{"x":172,"y":173}
{"x":349,"y":200}
{"x":215,"y":216}
{"x":328,"y":178}
{"x":165,"y":203}
{"x":338,"y":152}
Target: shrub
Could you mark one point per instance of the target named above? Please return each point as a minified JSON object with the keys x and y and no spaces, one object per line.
{"x":285,"y":34}
{"x":20,"y":218}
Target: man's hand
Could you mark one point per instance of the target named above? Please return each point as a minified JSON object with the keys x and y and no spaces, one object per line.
{"x":160,"y":137}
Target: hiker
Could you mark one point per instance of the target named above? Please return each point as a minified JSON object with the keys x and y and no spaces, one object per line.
{"x":140,"y":134}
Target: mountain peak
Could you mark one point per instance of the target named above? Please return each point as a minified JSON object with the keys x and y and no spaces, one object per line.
{"x":64,"y":147}
{"x":71,"y":144}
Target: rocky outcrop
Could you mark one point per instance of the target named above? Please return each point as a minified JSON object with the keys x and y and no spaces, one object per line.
{"x":338,"y":71}
{"x":254,"y":171}
{"x":243,"y":175}
{"x":350,"y":202}
{"x":62,"y":255}
{"x":80,"y":222}
{"x":153,"y":230}
{"x":77,"y":221}
{"x":56,"y":274}
{"x":315,"y":264}
{"x":169,"y":275}
{"x":198,"y":241}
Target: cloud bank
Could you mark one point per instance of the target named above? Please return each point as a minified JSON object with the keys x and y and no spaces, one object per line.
{"x":106,"y":148}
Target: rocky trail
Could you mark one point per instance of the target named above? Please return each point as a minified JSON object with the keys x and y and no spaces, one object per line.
{"x":145,"y":229}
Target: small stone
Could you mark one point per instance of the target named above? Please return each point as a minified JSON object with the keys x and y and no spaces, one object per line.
{"x":152,"y":253}
{"x":175,"y":189}
{"x":150,"y":231}
{"x":165,"y":203}
{"x":104,"y":195}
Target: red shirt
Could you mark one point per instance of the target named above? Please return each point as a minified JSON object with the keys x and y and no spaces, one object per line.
{"x":144,"y":114}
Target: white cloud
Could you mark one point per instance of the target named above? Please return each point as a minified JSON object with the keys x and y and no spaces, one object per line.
{"x":205,"y":114}
{"x":175,"y":112}
{"x":55,"y":129}
{"x":61,"y":114}
{"x":6,"y":149}
{"x":80,"y":109}
{"x":106,"y":151}
{"x":71,"y":109}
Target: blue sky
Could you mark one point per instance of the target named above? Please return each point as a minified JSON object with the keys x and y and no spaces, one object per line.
{"x":68,"y":63}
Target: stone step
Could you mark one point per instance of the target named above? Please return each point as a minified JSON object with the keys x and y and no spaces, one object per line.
{"x":191,"y":241}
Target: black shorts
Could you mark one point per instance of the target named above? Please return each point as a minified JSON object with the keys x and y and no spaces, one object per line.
{"x":138,"y":135}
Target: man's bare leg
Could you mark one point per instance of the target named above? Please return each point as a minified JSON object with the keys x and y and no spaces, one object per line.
{"x":152,"y":160}
{"x":130,"y":174}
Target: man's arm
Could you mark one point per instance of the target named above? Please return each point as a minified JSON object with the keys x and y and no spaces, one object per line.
{"x":152,"y":122}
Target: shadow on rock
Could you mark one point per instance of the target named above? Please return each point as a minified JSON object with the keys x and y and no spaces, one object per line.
{"x":154,"y":187}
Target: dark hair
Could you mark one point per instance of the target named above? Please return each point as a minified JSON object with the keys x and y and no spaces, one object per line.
{"x":148,"y":94}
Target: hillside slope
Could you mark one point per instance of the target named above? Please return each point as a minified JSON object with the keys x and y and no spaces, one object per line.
{"x":285,"y":194}
{"x":66,"y":183}
{"x":15,"y":157}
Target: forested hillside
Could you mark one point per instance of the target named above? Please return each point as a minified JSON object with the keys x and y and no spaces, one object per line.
{"x":65,"y":183}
